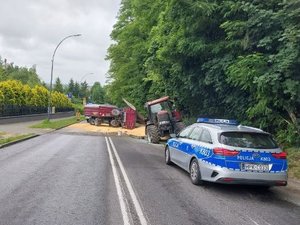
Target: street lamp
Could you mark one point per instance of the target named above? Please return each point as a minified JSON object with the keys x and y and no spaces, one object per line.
{"x":82,"y":80}
{"x":52,"y":61}
{"x":85,"y":76}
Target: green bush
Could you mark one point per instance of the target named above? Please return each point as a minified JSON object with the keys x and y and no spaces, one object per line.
{"x":13,"y":92}
{"x":289,"y":136}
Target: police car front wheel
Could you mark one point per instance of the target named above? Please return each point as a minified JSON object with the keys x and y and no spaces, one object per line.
{"x":195,"y":173}
{"x":167,"y":156}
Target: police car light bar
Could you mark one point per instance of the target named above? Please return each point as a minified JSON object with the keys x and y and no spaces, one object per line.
{"x":217,"y":121}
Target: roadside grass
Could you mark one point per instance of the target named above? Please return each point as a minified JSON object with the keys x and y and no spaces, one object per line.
{"x":57,"y":124}
{"x":14,"y":138}
{"x":2,"y":133}
{"x":294,"y":162}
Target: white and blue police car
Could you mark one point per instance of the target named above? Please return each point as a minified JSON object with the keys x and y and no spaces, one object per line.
{"x":220,"y":150}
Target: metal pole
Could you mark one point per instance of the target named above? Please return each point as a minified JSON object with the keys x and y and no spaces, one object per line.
{"x":51,"y":79}
{"x":85,"y":76}
{"x":82,"y":79}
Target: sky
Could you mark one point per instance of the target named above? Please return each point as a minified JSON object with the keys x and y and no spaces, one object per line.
{"x":30,"y":30}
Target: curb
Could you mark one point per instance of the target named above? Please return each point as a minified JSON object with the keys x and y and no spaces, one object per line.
{"x":18,"y":141}
{"x":30,"y":137}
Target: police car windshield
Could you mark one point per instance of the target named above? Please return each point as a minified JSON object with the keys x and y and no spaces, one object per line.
{"x":247,"y":140}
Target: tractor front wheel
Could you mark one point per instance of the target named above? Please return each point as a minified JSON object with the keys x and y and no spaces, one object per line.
{"x":153,"y":134}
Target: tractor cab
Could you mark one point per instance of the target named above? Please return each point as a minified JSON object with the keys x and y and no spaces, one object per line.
{"x":163,"y":119}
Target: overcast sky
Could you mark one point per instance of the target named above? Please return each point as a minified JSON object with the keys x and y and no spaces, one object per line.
{"x":31,"y":29}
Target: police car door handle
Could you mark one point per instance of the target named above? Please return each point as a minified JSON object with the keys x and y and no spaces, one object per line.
{"x":193,"y":146}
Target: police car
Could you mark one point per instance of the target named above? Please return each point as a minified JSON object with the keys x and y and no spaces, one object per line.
{"x":219,"y":150}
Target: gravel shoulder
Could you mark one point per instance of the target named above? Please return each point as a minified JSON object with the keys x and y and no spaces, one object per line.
{"x":138,"y":132}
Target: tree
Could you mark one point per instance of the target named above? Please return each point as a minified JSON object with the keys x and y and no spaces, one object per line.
{"x":10,"y":72}
{"x":84,"y":91}
{"x":71,"y":86}
{"x":58,"y":86}
{"x":76,"y":90}
{"x":97,"y":93}
{"x":229,"y":58}
{"x":130,"y":51}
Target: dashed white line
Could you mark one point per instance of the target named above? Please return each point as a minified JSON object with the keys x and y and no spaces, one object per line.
{"x":133,"y":196}
{"x":118,"y":186}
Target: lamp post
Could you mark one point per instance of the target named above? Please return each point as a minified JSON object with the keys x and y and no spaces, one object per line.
{"x":85,"y":76}
{"x":82,"y":80}
{"x":52,"y":61}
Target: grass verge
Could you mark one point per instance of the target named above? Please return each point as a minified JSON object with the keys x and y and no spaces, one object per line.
{"x":14,"y":138}
{"x":294,"y":162}
{"x":56,"y":124}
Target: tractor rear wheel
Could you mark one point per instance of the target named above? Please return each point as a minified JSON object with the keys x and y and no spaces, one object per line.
{"x":153,"y":134}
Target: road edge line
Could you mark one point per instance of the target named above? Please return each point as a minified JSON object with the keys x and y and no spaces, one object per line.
{"x":118,"y":185}
{"x":133,"y":196}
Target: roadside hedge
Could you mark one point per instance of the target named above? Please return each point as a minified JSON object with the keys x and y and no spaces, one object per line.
{"x":13,"y":92}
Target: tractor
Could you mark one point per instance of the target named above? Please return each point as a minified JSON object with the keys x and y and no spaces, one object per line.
{"x":162,"y":120}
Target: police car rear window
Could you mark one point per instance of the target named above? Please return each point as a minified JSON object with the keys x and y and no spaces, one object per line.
{"x":247,"y":140}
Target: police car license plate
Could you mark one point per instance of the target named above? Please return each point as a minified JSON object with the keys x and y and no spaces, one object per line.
{"x":255,"y":167}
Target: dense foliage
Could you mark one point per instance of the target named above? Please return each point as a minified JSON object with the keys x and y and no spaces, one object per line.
{"x":8,"y":71}
{"x":226,"y":58}
{"x":13,"y":92}
{"x":97,"y":93}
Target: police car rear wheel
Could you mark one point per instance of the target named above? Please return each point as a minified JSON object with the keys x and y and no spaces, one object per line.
{"x":195,"y":173}
{"x":167,"y":156}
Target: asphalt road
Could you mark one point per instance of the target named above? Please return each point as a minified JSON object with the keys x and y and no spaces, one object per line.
{"x":68,"y":178}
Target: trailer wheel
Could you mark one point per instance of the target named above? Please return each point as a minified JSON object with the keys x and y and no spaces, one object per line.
{"x":114,"y":123}
{"x":153,"y":134}
{"x":92,"y":121}
{"x":97,"y":122}
{"x":115,"y":112}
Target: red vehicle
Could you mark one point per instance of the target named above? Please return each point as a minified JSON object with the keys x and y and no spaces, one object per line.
{"x":96,"y":114}
{"x":162,"y":120}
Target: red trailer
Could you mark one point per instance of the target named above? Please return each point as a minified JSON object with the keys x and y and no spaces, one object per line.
{"x":96,"y":114}
{"x":129,"y":118}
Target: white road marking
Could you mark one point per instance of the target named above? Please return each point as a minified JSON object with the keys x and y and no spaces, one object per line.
{"x":118,"y":186}
{"x":253,"y":221}
{"x":135,"y":201}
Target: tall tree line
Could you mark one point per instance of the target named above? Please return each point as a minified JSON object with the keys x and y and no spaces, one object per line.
{"x":9,"y":71}
{"x":226,"y":58}
{"x":28,"y":77}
